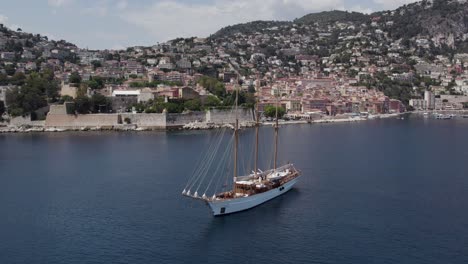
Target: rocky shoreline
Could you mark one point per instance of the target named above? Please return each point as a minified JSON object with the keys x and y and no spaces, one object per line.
{"x":189,"y":126}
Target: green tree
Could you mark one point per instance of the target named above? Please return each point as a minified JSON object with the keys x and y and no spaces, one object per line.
{"x":96,"y":83}
{"x":52,"y":90}
{"x":100,"y":104}
{"x":3,"y":79}
{"x":48,"y":74}
{"x":96,"y":64}
{"x":249,"y":100}
{"x":75,"y":78}
{"x":173,"y":107}
{"x":212,"y":101}
{"x":18,"y":79}
{"x":270,"y":111}
{"x":65,"y":98}
{"x":137,"y":84}
{"x":213,"y":86}
{"x":192,"y":105}
{"x":29,"y":97}
{"x":2,"y":109}
{"x":24,"y":100}
{"x":10,"y":69}
{"x":139,"y":107}
{"x":82,"y":104}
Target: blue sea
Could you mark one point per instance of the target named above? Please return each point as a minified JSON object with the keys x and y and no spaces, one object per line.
{"x":382,"y":191}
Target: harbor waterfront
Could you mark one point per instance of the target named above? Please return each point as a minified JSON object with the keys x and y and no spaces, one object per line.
{"x":211,"y":119}
{"x":380,"y":191}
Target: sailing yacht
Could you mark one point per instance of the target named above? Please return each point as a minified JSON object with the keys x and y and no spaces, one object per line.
{"x":257,"y":188}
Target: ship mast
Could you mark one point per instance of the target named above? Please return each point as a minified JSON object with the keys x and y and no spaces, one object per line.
{"x":257,"y":124}
{"x":236,"y":136}
{"x":276,"y":131}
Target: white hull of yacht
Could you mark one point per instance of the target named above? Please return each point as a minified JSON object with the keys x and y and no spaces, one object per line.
{"x":224,"y":207}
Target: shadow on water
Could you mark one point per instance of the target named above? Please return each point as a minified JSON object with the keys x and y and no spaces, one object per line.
{"x":247,"y":221}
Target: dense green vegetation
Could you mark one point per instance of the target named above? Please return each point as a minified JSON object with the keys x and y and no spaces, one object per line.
{"x":248,"y":28}
{"x":333,"y":16}
{"x":426,"y":16}
{"x":270,"y":111}
{"x":38,"y":89}
{"x":17,"y":79}
{"x":213,"y":85}
{"x":212,"y":101}
{"x":96,"y":83}
{"x":96,"y":104}
{"x":75,"y":78}
{"x":2,"y":109}
{"x":219,"y":99}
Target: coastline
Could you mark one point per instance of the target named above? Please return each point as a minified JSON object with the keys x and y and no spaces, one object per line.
{"x":188,"y":126}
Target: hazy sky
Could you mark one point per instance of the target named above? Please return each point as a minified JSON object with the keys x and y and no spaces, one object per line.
{"x":112,"y":24}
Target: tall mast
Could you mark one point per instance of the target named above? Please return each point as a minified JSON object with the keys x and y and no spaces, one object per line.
{"x":276,"y":130}
{"x":236,"y":137}
{"x":257,"y":124}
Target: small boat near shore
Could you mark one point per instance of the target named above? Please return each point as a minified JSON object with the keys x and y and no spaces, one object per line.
{"x":443,"y":117}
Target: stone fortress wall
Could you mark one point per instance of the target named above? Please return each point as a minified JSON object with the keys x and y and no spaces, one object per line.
{"x":82,"y":121}
{"x":153,"y":121}
{"x":229,"y":116}
{"x":59,"y":118}
{"x":25,"y":121}
{"x":179,"y":120}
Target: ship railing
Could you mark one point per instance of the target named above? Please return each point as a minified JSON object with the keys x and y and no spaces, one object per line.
{"x":266,"y":173}
{"x":196,"y":196}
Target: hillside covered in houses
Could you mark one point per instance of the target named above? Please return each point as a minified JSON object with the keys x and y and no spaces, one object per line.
{"x":329,"y":63}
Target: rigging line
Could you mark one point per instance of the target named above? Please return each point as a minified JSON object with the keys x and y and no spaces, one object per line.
{"x":267,"y":149}
{"x":227,"y":150}
{"x":248,"y":158}
{"x":227,"y":181}
{"x":231,"y":163}
{"x":224,"y":156}
{"x":205,"y":171}
{"x":281,"y":156}
{"x":201,"y":166}
{"x":261,"y":152}
{"x":241,"y":160}
{"x":229,"y":166}
{"x":209,"y":159}
{"x":196,"y":168}
{"x":244,"y":160}
{"x":208,"y":168}
{"x":225,"y":167}
{"x":252,"y":158}
{"x":271,"y":159}
{"x":202,"y":158}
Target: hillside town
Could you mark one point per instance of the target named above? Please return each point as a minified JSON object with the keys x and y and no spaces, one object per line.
{"x":354,"y":65}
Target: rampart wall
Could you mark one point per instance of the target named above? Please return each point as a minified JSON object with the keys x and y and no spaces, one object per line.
{"x":82,"y":121}
{"x":25,"y":121}
{"x":59,"y":118}
{"x":179,"y":120}
{"x":228,"y":116}
{"x":155,"y":121}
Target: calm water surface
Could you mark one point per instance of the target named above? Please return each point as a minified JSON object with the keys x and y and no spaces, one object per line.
{"x":385,"y":191}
